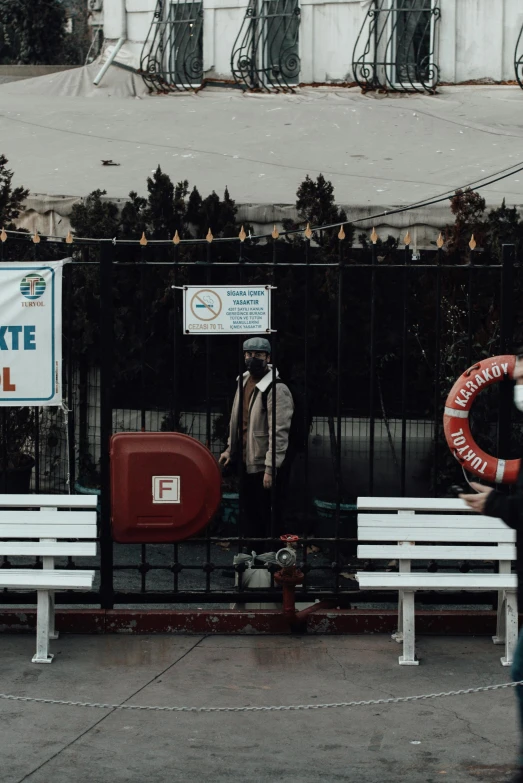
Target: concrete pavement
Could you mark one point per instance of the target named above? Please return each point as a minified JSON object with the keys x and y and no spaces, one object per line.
{"x":459,"y":739}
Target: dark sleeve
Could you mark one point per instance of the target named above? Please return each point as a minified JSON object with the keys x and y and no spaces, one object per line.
{"x":509,"y":508}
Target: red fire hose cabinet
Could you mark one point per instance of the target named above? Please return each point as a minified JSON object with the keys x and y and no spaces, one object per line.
{"x":165,"y":487}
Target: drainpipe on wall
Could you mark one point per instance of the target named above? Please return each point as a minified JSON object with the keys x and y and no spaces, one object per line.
{"x":109,"y":61}
{"x":115,"y":26}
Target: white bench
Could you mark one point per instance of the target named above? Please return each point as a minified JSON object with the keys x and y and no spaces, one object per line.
{"x":43,"y":526}
{"x":437,"y":529}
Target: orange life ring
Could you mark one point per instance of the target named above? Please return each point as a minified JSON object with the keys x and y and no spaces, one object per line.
{"x":456,"y":420}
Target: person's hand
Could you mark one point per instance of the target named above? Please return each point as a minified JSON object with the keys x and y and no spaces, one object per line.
{"x":477,"y":502}
{"x":267,"y":481}
{"x":224,"y":460}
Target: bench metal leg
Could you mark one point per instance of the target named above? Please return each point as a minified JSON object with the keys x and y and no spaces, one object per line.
{"x":404,"y":568}
{"x":398,"y":636}
{"x":499,"y":638}
{"x":511,"y":627}
{"x":53,"y":633}
{"x":42,"y":629}
{"x":409,"y":653}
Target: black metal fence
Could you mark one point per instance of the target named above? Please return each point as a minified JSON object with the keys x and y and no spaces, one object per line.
{"x":375,"y":336}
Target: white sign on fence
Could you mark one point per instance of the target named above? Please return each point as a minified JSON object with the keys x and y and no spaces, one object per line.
{"x":225,"y":309}
{"x":31,"y":333}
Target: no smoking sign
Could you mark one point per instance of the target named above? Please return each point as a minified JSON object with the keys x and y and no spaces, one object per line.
{"x":227,"y":309}
{"x":206,"y":305}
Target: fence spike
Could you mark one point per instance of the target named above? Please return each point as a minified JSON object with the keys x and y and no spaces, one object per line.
{"x":308,"y":232}
{"x":374,"y":237}
{"x":36,"y":237}
{"x":69,"y":238}
{"x":472,"y":243}
{"x":3,"y":235}
{"x":143,"y":239}
{"x":341,"y":233}
{"x":407,"y":240}
{"x":275,"y":233}
{"x":176,"y":238}
{"x":209,"y":236}
{"x":242,"y":235}
{"x":439,"y":241}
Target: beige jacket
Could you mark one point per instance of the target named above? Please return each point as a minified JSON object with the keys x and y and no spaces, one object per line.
{"x":259,"y":431}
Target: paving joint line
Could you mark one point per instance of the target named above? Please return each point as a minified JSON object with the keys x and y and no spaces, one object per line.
{"x":111,"y":707}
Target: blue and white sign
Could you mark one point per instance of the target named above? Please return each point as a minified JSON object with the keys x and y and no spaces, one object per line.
{"x":31,"y":333}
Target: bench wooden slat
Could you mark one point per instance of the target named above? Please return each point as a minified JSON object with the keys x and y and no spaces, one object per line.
{"x":52,"y":501}
{"x":388,"y":552}
{"x":33,"y":579}
{"x":48,"y":548}
{"x":413,"y":504}
{"x":49,"y":531}
{"x":48,"y":517}
{"x":471,"y":536}
{"x":439,"y":523}
{"x":438,"y":581}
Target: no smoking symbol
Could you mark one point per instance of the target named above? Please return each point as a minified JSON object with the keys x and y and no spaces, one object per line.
{"x":206,"y":305}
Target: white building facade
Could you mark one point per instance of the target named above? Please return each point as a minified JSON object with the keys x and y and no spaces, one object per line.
{"x":278,"y":44}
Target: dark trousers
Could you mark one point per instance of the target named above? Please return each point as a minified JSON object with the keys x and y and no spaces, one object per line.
{"x":517,"y":676}
{"x":257,"y":506}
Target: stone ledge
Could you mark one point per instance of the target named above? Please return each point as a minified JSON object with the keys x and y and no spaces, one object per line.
{"x":340,"y":621}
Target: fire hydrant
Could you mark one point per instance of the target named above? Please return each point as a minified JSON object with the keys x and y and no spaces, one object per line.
{"x":290,"y":575}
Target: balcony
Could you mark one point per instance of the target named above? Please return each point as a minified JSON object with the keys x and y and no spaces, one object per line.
{"x":395,"y":49}
{"x":265,"y":54}
{"x":172,"y":55}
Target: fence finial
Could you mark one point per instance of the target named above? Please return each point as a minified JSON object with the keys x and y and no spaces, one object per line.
{"x":242,"y":235}
{"x":176,"y":238}
{"x":439,"y":241}
{"x":36,"y":238}
{"x":472,"y":243}
{"x":341,"y":232}
{"x":374,"y":237}
{"x":407,"y":240}
{"x":209,"y":236}
{"x":143,"y":239}
{"x":308,"y":232}
{"x":3,"y":235}
{"x":275,"y":233}
{"x":69,"y":238}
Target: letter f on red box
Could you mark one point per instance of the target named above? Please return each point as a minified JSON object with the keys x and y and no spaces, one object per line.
{"x":166,"y":489}
{"x":164,"y":483}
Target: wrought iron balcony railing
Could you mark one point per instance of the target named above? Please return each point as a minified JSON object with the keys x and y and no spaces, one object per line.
{"x":395,"y":49}
{"x":265,"y":54}
{"x":172,"y":55}
{"x":518,"y":59}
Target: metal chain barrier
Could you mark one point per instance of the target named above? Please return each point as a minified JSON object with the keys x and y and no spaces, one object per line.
{"x":282,"y":708}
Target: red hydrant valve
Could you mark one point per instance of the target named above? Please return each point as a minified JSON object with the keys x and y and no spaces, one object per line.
{"x":290,"y":575}
{"x":287,"y":557}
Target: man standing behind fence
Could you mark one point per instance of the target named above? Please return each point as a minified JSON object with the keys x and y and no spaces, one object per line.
{"x":509,"y":508}
{"x":255,"y":443}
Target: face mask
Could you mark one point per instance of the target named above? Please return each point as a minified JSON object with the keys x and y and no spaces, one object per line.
{"x":518,"y":397}
{"x":256,"y":366}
